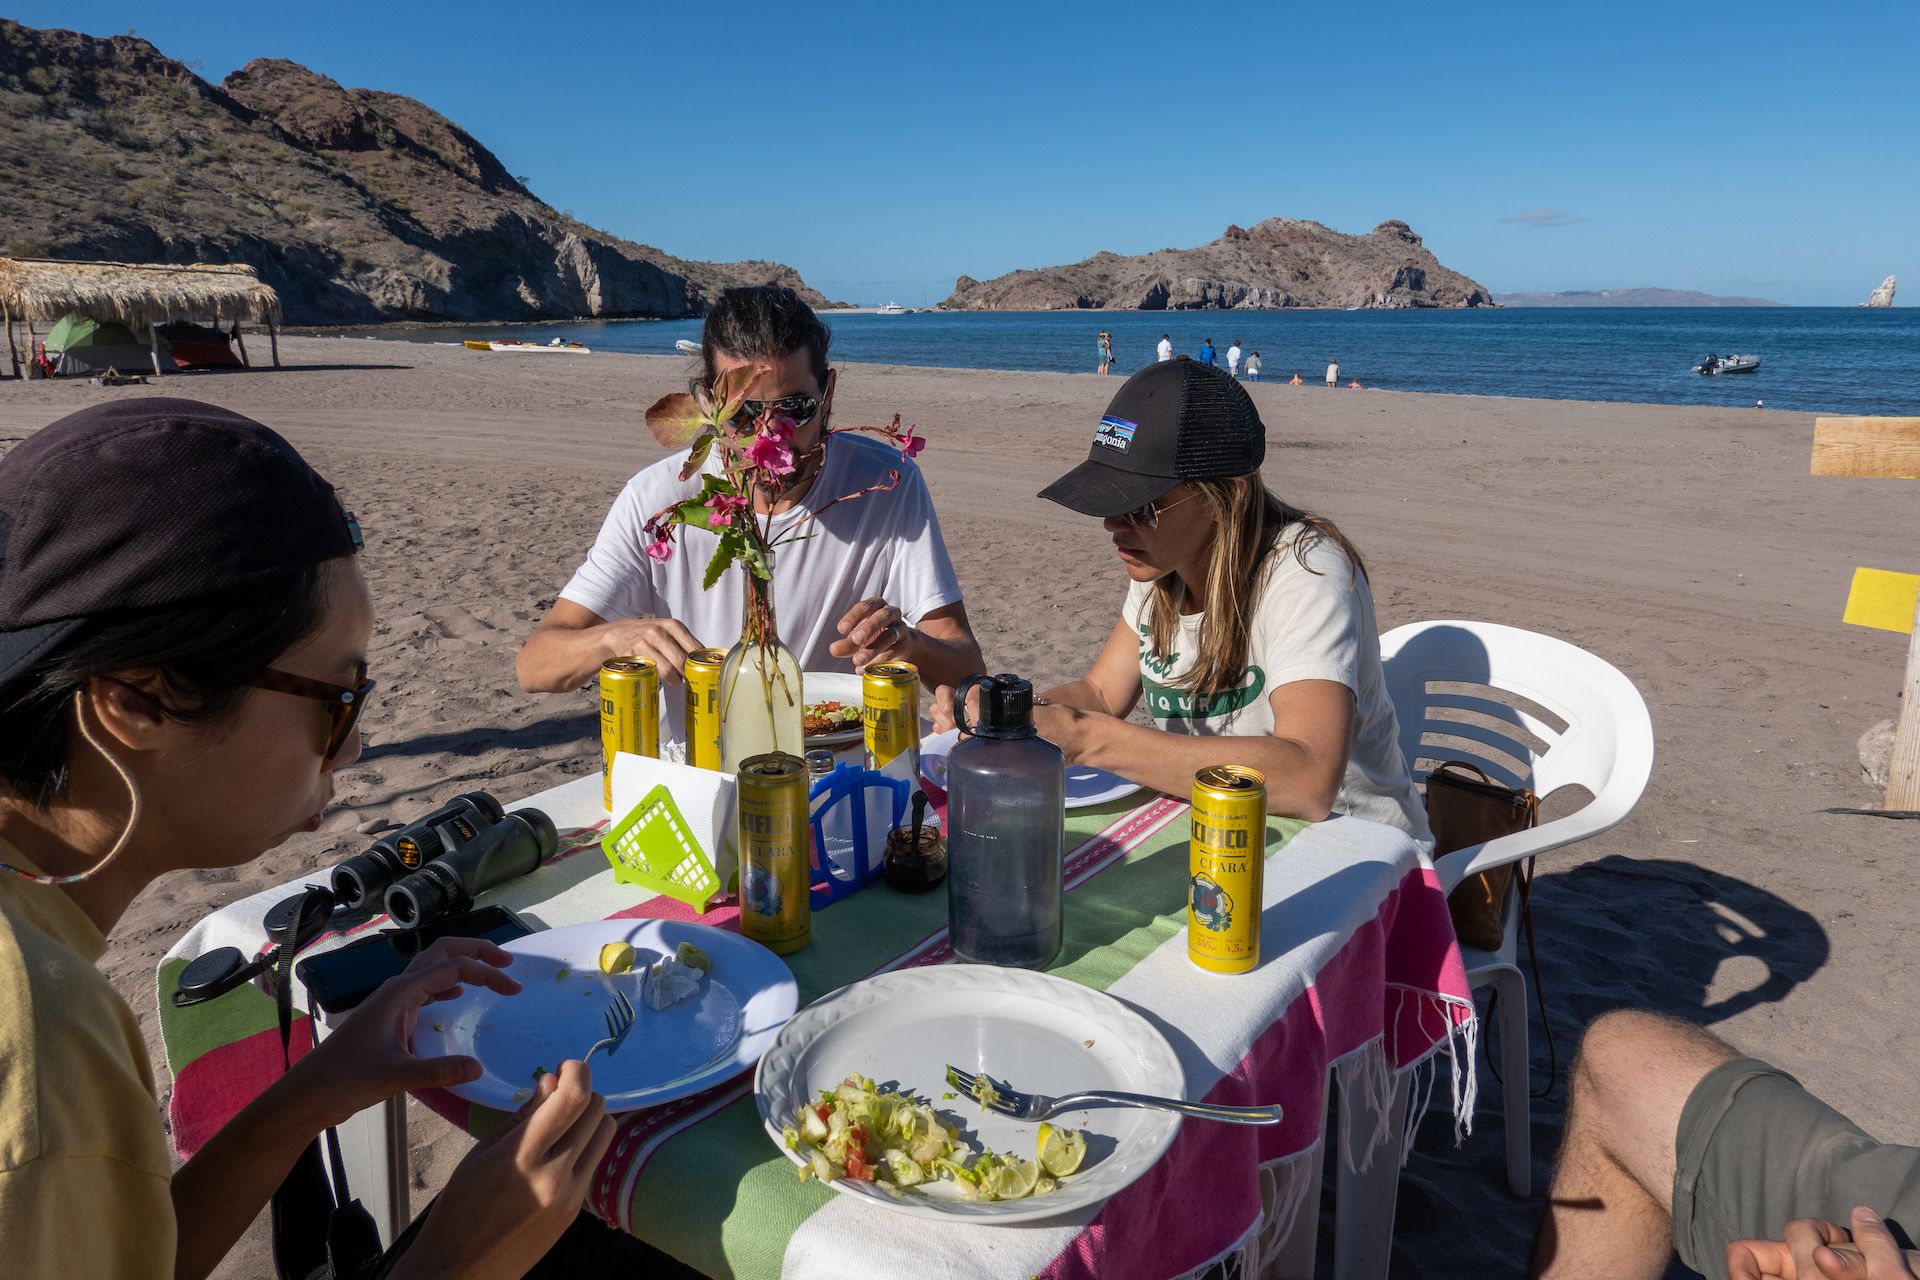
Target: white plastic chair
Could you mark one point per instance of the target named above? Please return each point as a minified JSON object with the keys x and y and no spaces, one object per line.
{"x":1490,"y":694}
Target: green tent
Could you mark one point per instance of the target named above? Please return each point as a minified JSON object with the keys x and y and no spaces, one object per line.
{"x":82,"y":345}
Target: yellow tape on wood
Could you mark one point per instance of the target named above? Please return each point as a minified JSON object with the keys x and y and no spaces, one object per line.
{"x":1883,"y":599}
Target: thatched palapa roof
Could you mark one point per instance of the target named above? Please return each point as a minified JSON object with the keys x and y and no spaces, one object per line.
{"x":141,"y":293}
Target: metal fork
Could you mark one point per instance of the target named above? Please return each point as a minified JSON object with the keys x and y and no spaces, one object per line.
{"x":619,"y":1019}
{"x":1009,"y":1101}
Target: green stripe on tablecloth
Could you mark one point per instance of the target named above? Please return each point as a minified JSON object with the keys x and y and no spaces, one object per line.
{"x":720,"y":1196}
{"x":189,"y":1033}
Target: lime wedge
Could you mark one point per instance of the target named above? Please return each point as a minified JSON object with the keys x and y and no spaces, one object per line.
{"x":616,"y":957}
{"x":692,"y":957}
{"x":1012,"y":1180}
{"x":1061,"y":1151}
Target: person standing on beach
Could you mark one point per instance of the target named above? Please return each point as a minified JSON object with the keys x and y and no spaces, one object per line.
{"x":1206,"y":352}
{"x":1105,"y":352}
{"x":873,"y":585}
{"x":1253,"y":367}
{"x":1165,"y":350}
{"x":1244,"y":617}
{"x":1233,"y":359}
{"x":1333,"y":373}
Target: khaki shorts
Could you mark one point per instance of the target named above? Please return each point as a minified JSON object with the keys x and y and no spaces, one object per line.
{"x":1755,"y":1151}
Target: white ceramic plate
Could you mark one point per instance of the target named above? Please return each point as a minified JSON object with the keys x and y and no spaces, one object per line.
{"x":1086,"y":786}
{"x":705,"y":1039}
{"x":833,"y":686}
{"x":1029,"y":1030}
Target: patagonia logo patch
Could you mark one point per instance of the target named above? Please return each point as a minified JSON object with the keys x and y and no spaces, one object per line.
{"x":1115,"y":433}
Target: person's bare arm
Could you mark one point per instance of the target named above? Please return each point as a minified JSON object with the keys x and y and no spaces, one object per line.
{"x":1304,"y":758}
{"x":566,"y":649}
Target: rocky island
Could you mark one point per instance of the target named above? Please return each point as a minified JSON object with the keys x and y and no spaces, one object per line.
{"x":357,"y":206}
{"x":1282,"y":262}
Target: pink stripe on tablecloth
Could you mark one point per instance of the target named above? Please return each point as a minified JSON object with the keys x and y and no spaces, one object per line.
{"x":211,"y":1090}
{"x":1181,"y":1214}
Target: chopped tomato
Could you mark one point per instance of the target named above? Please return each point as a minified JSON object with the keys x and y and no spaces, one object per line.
{"x":824,"y":1111}
{"x":857,"y":1167}
{"x":859,"y":1135}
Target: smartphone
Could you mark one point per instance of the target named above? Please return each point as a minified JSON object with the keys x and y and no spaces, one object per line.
{"x":338,"y":980}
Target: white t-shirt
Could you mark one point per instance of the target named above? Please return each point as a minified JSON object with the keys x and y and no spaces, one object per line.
{"x":1165,"y":349}
{"x":1233,"y":357}
{"x":1311,"y":622}
{"x":884,"y":544}
{"x":1333,"y":373}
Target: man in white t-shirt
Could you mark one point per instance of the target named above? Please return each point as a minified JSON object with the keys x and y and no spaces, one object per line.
{"x":1333,"y":373}
{"x":871,"y":584}
{"x":1233,"y":359}
{"x":1165,"y":350}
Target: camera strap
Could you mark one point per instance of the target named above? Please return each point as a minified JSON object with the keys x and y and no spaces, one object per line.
{"x":319,"y":1231}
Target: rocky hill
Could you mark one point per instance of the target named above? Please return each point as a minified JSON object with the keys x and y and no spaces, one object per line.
{"x":358,"y":206}
{"x":1282,"y":262}
{"x":1627,"y":298}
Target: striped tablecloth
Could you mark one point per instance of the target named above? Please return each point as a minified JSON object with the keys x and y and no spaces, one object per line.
{"x":1360,"y":972}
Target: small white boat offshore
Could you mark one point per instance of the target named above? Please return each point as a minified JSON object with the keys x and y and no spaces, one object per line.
{"x":554,"y":347}
{"x":687,"y":347}
{"x":892,"y":309}
{"x":1728,"y":364}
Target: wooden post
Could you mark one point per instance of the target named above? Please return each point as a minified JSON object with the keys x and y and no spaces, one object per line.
{"x":153,"y":346}
{"x":1887,"y":448}
{"x":273,"y":339}
{"x":13,"y":352}
{"x":30,"y":341}
{"x":243,"y":345}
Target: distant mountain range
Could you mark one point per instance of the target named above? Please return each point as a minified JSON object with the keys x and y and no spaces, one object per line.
{"x":1282,"y":262}
{"x":356,"y":205}
{"x":1627,"y":298}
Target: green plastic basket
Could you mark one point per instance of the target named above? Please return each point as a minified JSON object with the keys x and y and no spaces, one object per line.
{"x":653,"y":847}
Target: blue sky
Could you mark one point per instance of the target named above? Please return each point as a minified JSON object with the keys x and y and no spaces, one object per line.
{"x":882,"y":149}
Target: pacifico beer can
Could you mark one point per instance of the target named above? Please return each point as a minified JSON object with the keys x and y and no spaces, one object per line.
{"x":629,"y":714}
{"x":703,"y":707}
{"x":890,"y":711}
{"x":1226,"y":858}
{"x":775,"y":840}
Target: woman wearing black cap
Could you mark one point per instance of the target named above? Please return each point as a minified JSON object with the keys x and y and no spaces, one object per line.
{"x":1244,"y":616}
{"x":183,"y":635}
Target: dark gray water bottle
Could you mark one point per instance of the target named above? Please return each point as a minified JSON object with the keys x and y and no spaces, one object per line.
{"x":1006,"y":831}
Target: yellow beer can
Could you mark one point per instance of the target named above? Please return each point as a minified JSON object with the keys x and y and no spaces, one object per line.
{"x":629,"y":714}
{"x":1226,"y":862}
{"x":775,"y":845}
{"x":890,"y":711}
{"x":703,"y":707}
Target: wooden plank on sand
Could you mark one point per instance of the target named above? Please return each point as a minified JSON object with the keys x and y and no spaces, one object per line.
{"x":1888,"y":448}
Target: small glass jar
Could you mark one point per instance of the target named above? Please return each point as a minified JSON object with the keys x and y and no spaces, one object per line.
{"x":915,"y":865}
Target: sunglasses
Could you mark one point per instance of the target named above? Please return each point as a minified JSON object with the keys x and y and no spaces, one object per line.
{"x":799,"y":410}
{"x":1148,"y":517}
{"x":344,"y":704}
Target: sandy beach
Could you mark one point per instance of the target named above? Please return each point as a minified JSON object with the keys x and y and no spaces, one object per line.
{"x":1688,"y":546}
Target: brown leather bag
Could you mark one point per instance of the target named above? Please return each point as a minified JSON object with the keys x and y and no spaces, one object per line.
{"x":1465,"y":810}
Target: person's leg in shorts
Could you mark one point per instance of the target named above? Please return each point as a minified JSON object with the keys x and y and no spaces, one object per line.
{"x":1607,"y":1211}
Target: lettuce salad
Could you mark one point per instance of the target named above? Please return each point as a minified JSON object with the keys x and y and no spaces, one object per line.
{"x":895,"y":1141}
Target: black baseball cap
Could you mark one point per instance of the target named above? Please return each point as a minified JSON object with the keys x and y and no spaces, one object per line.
{"x":146,"y":503}
{"x":1174,"y":420}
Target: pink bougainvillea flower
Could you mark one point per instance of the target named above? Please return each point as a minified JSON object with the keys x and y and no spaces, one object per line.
{"x":911,"y":444}
{"x":721,"y":508}
{"x":770,"y":454}
{"x":661,"y":549}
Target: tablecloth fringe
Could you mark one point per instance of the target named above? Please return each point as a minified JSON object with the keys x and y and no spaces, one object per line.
{"x":1368,"y":1077}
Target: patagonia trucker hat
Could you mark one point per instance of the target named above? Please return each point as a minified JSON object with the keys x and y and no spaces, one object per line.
{"x":146,"y":503}
{"x":1174,"y":420}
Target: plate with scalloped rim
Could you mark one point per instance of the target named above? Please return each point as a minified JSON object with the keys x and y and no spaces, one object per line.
{"x":1031,"y":1030}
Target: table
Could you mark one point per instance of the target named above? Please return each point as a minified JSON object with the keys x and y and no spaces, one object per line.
{"x":1361,"y":988}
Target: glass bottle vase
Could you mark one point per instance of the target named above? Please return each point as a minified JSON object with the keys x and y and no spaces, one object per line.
{"x":761,"y":701}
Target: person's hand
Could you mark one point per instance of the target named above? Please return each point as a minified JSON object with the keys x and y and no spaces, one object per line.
{"x":941,"y":713}
{"x":368,"y":1059}
{"x":665,"y":640}
{"x":873,"y":631}
{"x":521,"y":1186}
{"x":1814,"y":1249}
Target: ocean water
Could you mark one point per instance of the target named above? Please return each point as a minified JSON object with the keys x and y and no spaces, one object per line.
{"x":1823,"y":359}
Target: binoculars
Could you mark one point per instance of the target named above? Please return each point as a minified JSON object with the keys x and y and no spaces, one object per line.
{"x":512,"y":846}
{"x":363,"y":880}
